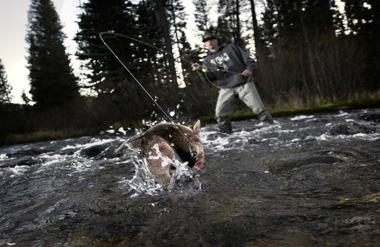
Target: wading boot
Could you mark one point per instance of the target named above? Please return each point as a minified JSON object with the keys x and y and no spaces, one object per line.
{"x":225,"y":126}
{"x":265,"y":116}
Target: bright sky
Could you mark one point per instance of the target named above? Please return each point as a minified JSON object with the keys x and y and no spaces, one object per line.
{"x":13,"y":48}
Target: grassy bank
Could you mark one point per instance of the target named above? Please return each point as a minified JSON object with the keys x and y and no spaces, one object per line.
{"x":357,"y":104}
{"x":44,"y":135}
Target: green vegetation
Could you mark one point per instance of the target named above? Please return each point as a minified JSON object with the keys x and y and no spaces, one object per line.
{"x":357,"y":104}
{"x":44,"y":135}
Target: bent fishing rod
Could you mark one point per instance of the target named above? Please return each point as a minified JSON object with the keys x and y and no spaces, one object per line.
{"x":166,"y":52}
{"x":128,"y":70}
{"x":159,"y":49}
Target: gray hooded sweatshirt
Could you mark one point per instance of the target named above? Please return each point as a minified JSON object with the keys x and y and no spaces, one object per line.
{"x":225,"y":66}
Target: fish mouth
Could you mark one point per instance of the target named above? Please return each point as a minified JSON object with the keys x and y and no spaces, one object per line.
{"x":200,"y":165}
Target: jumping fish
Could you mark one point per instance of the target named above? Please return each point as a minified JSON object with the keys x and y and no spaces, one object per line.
{"x":163,"y":143}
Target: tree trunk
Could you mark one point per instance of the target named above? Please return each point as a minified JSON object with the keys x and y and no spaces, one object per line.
{"x":256,"y":32}
{"x":310,"y":55}
{"x":162,"y":17}
{"x":239,"y":41}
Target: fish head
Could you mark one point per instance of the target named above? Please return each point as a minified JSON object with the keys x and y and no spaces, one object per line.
{"x":183,"y":139}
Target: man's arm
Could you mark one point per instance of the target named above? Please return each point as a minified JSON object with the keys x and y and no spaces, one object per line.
{"x":247,"y":61}
{"x":203,"y":71}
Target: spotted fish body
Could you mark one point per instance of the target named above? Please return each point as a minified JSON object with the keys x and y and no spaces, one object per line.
{"x":162,"y":143}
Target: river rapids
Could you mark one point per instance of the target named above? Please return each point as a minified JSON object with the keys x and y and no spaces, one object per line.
{"x":307,"y":180}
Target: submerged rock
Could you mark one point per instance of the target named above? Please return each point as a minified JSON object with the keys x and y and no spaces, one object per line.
{"x":351,"y":128}
{"x":373,"y":117}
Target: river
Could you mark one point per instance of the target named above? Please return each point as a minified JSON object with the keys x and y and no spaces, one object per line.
{"x":306,"y":180}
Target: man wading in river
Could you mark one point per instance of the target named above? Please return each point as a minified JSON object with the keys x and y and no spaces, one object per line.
{"x":231,"y":68}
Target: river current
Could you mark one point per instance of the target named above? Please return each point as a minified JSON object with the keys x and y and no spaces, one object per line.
{"x":306,"y":180}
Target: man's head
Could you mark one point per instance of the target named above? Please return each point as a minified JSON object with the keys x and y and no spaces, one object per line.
{"x":210,"y":42}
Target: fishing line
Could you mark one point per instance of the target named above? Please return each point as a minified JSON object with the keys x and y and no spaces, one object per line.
{"x":167,"y":52}
{"x":138,"y":82}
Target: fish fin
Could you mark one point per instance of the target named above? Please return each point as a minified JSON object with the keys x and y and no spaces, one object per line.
{"x":166,"y":149}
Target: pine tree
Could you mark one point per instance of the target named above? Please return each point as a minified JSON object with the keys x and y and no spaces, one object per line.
{"x":363,"y":25}
{"x":228,"y":24}
{"x":301,"y":40}
{"x":202,"y":15}
{"x":177,"y":20}
{"x":256,"y":32}
{"x":361,"y":16}
{"x":51,"y":77}
{"x":5,"y":88}
{"x":105,"y":16}
{"x":161,"y":10}
{"x":157,"y":63}
{"x":118,"y":94}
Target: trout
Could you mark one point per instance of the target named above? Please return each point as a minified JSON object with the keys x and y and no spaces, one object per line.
{"x":163,"y":143}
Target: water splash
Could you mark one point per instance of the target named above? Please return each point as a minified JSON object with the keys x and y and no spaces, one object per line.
{"x":143,"y":182}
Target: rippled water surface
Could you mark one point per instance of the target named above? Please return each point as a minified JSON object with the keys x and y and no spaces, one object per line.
{"x":310,"y":180}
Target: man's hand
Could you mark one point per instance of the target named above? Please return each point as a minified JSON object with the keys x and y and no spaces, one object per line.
{"x":195,"y":66}
{"x":246,"y":73}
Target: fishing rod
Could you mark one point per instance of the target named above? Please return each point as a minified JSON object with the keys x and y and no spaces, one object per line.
{"x":128,"y":70}
{"x":167,"y":52}
{"x":203,"y":78}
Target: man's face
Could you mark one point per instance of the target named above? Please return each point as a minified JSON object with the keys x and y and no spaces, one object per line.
{"x":211,"y":45}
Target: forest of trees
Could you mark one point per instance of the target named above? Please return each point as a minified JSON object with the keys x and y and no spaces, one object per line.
{"x":308,"y":54}
{"x":5,"y":88}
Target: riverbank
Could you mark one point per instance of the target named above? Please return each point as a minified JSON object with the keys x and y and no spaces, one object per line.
{"x":44,"y":135}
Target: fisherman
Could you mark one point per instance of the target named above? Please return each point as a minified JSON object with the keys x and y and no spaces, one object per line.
{"x":231,"y":68}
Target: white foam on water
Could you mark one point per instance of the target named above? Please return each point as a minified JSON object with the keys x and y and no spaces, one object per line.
{"x":301,"y":117}
{"x":94,"y":142}
{"x":217,"y":144}
{"x":238,"y":140}
{"x":3,"y":157}
{"x":143,"y":182}
{"x":17,"y":170}
{"x":70,"y":147}
{"x":50,"y":160}
{"x":310,"y":120}
{"x":349,"y":120}
{"x":74,"y":162}
{"x":342,"y":114}
{"x":280,"y":131}
{"x":310,"y":138}
{"x":361,"y":136}
{"x":368,"y":137}
{"x":323,"y":137}
{"x":121,"y":130}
